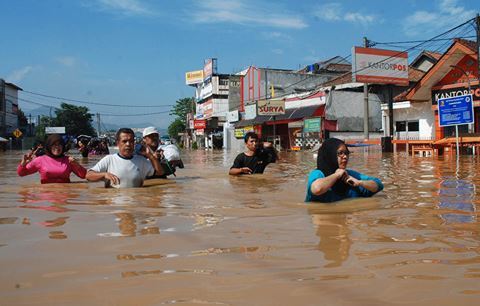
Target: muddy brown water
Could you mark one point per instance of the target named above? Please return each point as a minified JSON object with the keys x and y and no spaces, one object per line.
{"x":206,"y":238}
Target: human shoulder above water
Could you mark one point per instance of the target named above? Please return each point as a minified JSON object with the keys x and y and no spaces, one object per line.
{"x":53,"y":166}
{"x":256,"y":157}
{"x":125,"y":168}
{"x":167,"y":154}
{"x":332,"y":181}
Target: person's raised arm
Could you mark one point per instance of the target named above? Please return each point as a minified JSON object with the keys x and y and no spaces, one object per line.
{"x":152,"y":157}
{"x":322,"y":185}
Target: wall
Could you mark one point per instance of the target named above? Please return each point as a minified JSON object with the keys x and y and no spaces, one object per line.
{"x":420,"y":111}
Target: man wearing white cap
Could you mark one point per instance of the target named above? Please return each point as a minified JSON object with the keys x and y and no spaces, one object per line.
{"x":125,"y":169}
{"x":169,"y":155}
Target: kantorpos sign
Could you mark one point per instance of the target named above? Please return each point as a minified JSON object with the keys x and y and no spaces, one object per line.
{"x":271,"y":107}
{"x":455,"y":92}
{"x":378,"y":66}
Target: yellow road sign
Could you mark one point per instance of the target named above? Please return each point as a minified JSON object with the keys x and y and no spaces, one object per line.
{"x":17,"y":133}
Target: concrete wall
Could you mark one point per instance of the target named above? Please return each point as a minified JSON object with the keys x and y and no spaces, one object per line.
{"x":421,"y":112}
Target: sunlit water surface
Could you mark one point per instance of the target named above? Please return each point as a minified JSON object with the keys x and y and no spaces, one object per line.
{"x":206,"y":238}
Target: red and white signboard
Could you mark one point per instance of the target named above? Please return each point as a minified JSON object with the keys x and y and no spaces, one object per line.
{"x":199,"y":124}
{"x":380,"y":66}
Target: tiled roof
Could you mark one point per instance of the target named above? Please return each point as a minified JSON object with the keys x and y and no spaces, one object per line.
{"x":433,"y":54}
{"x":467,"y":43}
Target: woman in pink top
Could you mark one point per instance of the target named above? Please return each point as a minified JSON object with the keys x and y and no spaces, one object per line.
{"x":54,"y":166}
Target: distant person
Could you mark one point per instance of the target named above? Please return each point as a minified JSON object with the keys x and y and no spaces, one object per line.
{"x":168,"y":155}
{"x":53,"y":166}
{"x":332,"y":181}
{"x":255,"y":159}
{"x":125,"y":169}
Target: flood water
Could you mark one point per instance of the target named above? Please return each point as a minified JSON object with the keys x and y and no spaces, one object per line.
{"x":206,"y":238}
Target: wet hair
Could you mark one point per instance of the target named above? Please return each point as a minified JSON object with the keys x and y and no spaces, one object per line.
{"x":327,"y":162}
{"x":51,"y":140}
{"x":124,"y":131}
{"x":252,"y":135}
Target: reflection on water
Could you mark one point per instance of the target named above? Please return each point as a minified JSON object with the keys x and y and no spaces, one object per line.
{"x":208,"y":238}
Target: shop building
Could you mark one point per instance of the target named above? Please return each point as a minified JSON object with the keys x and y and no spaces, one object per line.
{"x":416,"y":111}
{"x":8,"y":108}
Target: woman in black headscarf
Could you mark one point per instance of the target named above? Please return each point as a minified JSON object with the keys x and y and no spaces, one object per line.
{"x":331,"y":181}
{"x":54,"y":166}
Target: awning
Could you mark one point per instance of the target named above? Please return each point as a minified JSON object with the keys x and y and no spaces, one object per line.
{"x":291,"y":114}
{"x":255,"y":121}
{"x":297,"y":113}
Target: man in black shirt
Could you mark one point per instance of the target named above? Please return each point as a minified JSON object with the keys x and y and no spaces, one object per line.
{"x":255,"y":159}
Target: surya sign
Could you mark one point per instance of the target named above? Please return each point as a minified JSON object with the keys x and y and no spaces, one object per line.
{"x":271,"y":107}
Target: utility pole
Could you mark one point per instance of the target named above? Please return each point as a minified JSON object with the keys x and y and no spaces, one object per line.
{"x":366,"y":135}
{"x":477,"y":19}
{"x":98,"y":125}
{"x":2,"y":108}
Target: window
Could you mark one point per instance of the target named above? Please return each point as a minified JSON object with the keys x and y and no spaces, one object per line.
{"x":413,"y":126}
{"x":400,"y":126}
{"x":407,"y":126}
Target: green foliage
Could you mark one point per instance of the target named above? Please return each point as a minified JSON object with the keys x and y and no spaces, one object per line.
{"x":182,"y":108}
{"x":177,"y":126}
{"x":22,"y":119}
{"x":40,"y":129}
{"x":76,"y":119}
{"x":194,"y":146}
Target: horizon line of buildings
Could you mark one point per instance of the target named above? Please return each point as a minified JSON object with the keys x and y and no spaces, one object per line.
{"x":322,"y":100}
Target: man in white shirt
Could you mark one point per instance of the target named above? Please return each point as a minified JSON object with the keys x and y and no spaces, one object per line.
{"x":125,"y":169}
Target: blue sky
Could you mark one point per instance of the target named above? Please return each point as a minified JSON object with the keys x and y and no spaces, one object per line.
{"x":136,"y":52}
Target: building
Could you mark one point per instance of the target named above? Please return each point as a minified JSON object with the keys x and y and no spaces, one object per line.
{"x":212,"y":105}
{"x":8,"y":108}
{"x":301,"y":96}
{"x":416,"y":110}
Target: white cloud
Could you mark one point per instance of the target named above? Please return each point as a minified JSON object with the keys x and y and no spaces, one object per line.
{"x":122,"y":7}
{"x":329,"y":12}
{"x":447,"y":14}
{"x":231,"y":11}
{"x":277,"y":51}
{"x":68,"y":61}
{"x":277,"y":36}
{"x":20,"y":74}
{"x":335,"y":12}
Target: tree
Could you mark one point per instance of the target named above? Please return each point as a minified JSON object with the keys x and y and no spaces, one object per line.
{"x":22,"y":119}
{"x":76,"y":119}
{"x":180,"y":110}
{"x":177,"y":126}
{"x":40,"y":129}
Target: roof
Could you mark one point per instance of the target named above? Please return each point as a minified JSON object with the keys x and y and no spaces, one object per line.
{"x":13,"y":85}
{"x":422,"y":90}
{"x":432,"y":55}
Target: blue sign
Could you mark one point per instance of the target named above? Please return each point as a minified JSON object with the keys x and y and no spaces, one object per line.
{"x":456,"y":110}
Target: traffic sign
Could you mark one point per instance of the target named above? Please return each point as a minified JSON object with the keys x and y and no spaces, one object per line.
{"x":456,"y":110}
{"x":17,"y":133}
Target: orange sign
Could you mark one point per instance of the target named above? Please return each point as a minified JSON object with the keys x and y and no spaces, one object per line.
{"x":17,"y":133}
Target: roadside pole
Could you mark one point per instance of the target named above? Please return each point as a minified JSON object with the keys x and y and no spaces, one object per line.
{"x":366,"y":134}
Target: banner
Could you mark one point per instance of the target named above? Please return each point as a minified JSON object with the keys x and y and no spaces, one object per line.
{"x":380,"y":66}
{"x":271,"y":107}
{"x":194,"y":77}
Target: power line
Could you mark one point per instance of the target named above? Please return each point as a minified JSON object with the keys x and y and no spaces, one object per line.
{"x":89,"y":102}
{"x":114,"y":115}
{"x":415,"y":41}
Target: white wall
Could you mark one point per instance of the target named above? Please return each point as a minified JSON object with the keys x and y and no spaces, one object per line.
{"x":421,"y":111}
